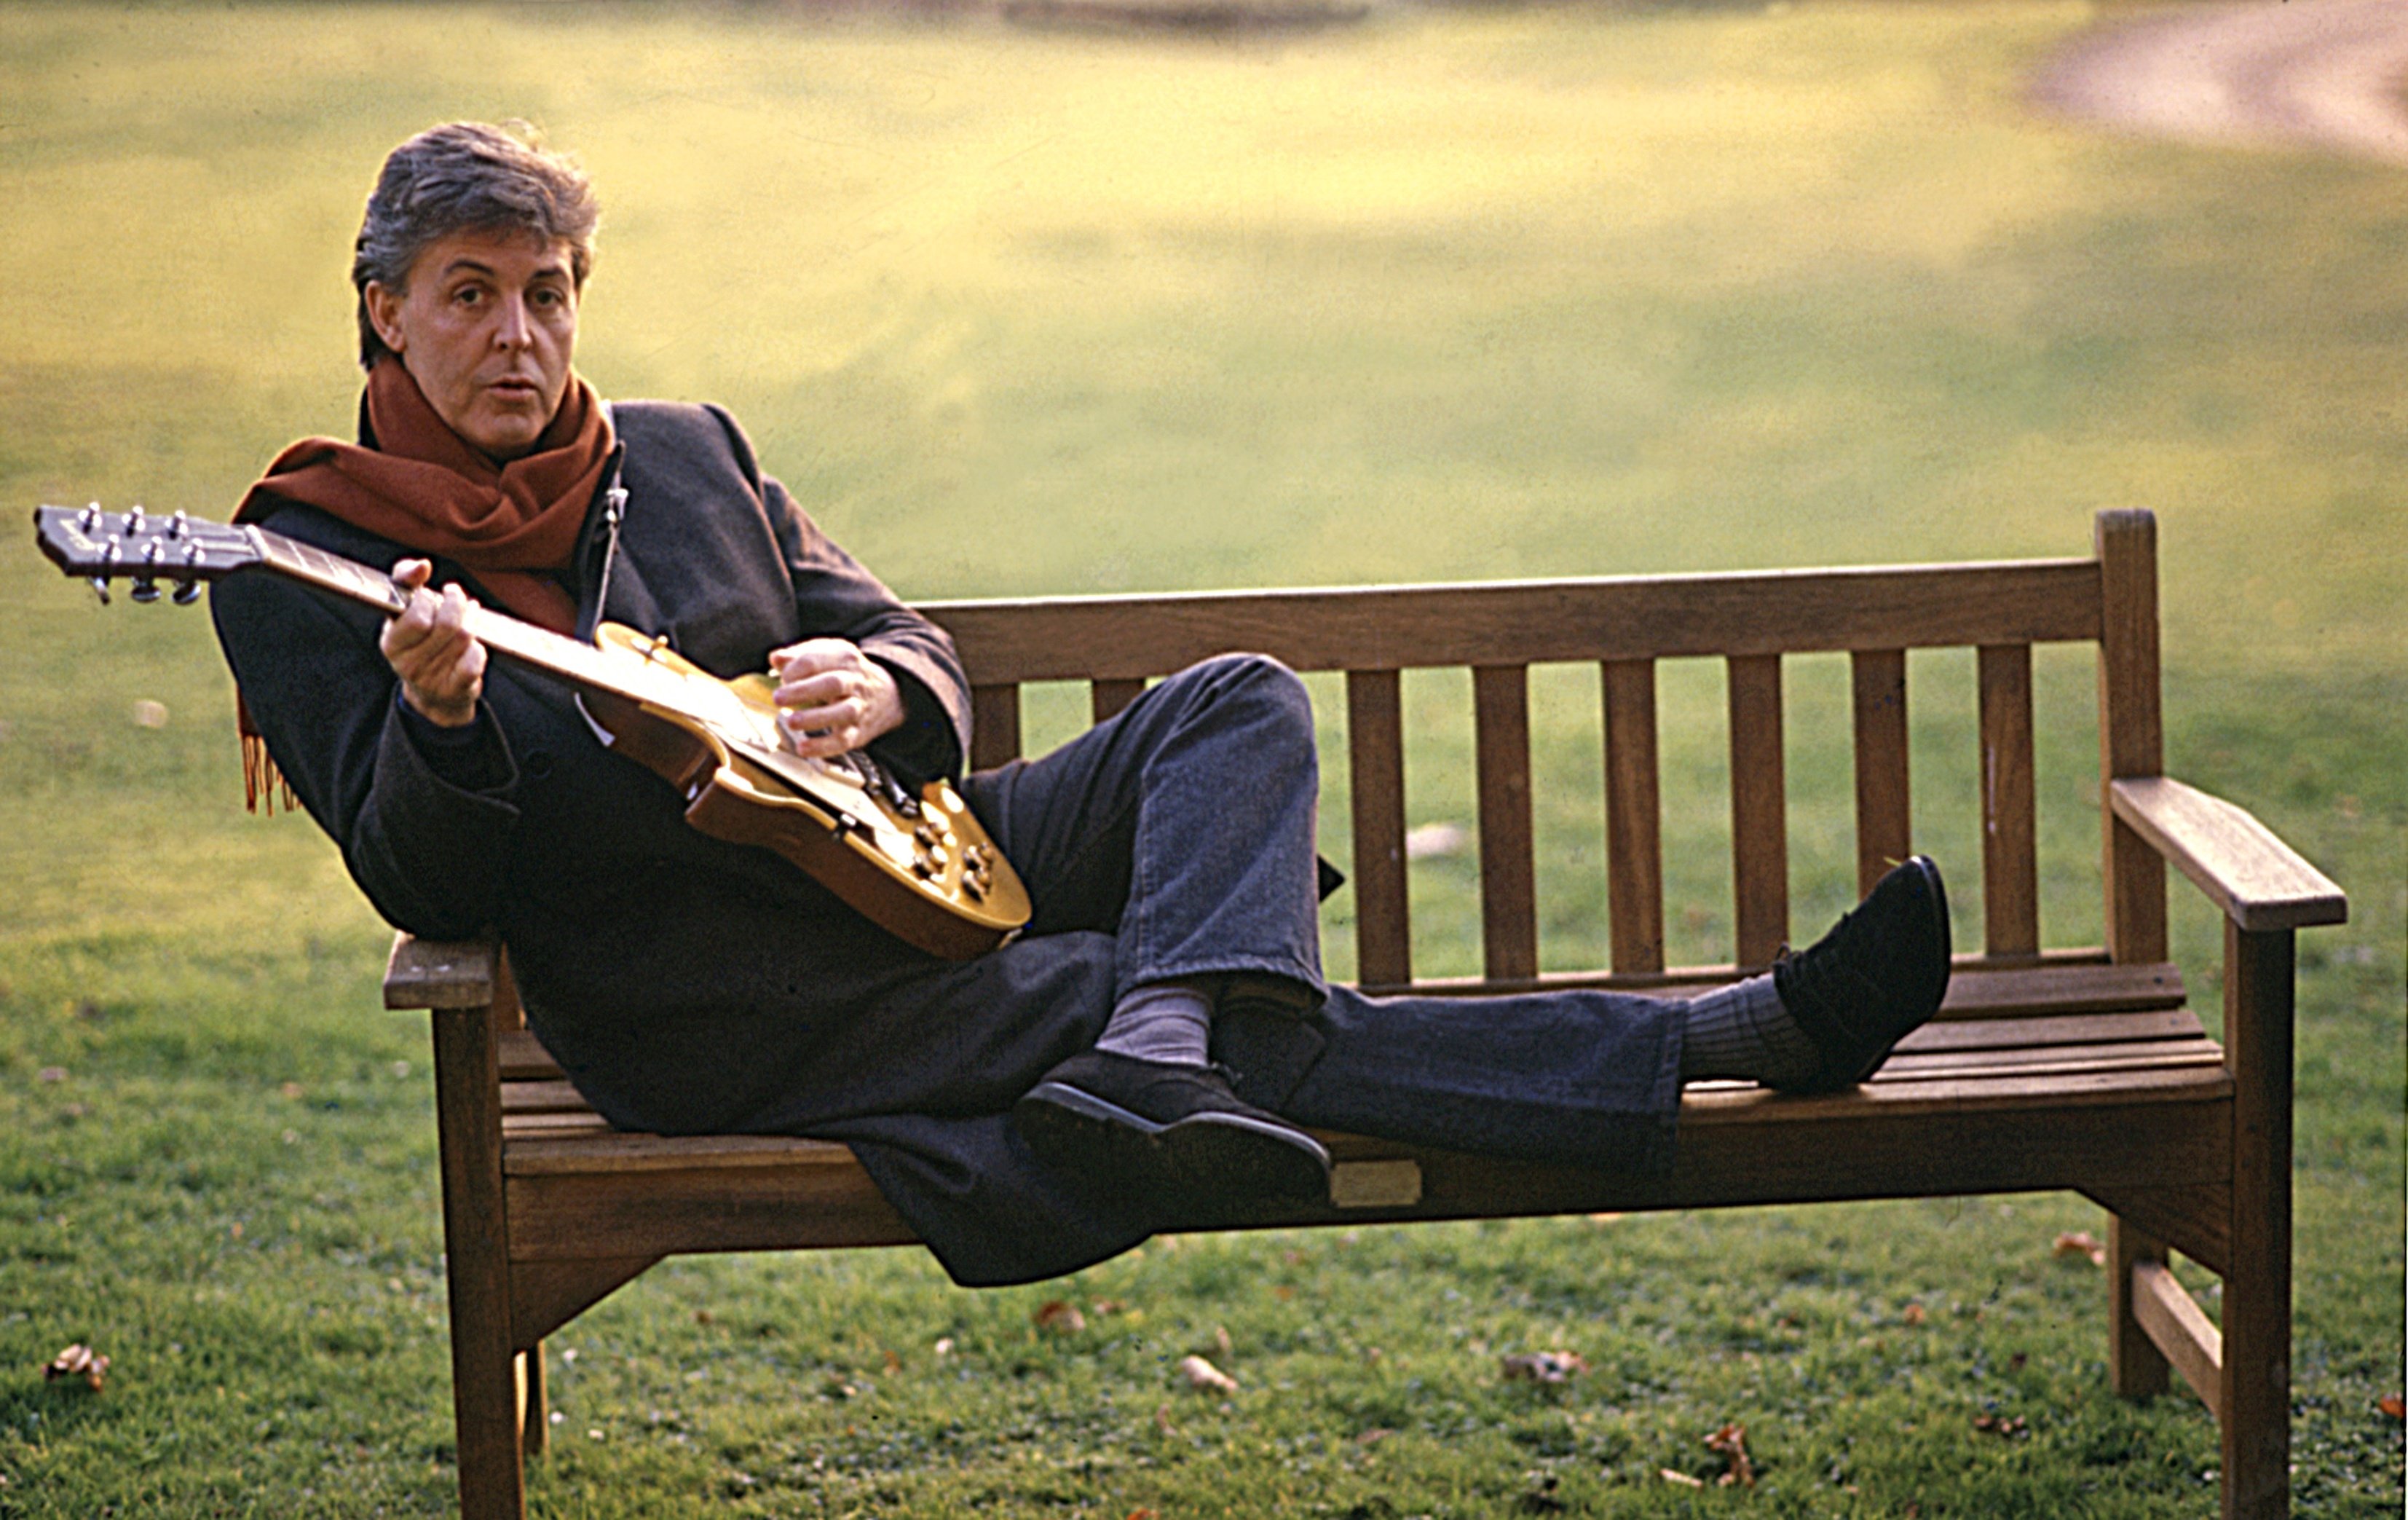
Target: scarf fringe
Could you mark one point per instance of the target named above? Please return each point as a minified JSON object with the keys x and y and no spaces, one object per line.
{"x":262,"y":783}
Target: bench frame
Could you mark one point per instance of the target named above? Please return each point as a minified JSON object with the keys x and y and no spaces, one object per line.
{"x":2048,"y":1069}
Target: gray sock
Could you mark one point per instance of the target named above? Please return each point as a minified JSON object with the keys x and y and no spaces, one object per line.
{"x":1744,"y":1031}
{"x":1168,"y":1022}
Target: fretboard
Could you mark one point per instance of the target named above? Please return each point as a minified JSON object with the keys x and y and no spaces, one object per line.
{"x":554,"y":654}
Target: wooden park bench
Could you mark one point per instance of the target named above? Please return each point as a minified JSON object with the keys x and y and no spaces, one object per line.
{"x":2047,"y":1069}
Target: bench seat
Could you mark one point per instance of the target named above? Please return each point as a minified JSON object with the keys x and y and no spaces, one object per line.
{"x":2028,"y":1080}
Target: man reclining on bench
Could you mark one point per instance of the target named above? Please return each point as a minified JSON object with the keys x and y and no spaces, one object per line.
{"x":1150,"y":1051}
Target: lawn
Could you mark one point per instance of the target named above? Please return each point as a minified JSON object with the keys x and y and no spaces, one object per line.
{"x":1447,"y":295}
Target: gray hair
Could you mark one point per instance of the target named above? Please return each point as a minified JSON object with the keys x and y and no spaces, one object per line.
{"x":460,"y":177}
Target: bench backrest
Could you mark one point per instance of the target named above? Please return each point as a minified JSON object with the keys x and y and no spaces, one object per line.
{"x":1624,"y":626}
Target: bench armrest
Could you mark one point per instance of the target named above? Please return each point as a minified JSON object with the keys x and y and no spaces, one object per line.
{"x":2259,"y":882}
{"x":439,"y":973}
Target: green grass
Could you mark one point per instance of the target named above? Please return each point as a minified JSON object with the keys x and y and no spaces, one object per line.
{"x":1452,"y":294}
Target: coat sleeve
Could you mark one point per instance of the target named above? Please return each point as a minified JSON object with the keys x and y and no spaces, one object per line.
{"x":836,"y":595}
{"x":425,"y":823}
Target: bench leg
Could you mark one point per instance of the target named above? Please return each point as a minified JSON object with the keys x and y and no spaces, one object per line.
{"x":535,"y":1419}
{"x":484,"y":1376}
{"x":2136,"y":1369}
{"x":2256,"y":1378}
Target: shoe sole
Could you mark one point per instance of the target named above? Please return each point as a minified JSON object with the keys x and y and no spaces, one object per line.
{"x":1223,"y":1157}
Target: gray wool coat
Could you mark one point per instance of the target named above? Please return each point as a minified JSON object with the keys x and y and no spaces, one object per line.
{"x":686,"y":985}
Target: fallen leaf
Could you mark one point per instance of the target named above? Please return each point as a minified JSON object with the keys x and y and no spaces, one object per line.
{"x":1102,"y":1307}
{"x":1283,"y":1293}
{"x":1142,"y":1514}
{"x":944,"y":1345}
{"x":2393,"y":1405}
{"x":150,"y":715}
{"x":1162,"y":1419}
{"x":1913,"y":1314}
{"x":77,"y":1361}
{"x":1544,"y":1366}
{"x":2016,"y":1362}
{"x":1730,"y":1443}
{"x":1672,"y":1475}
{"x":2081,"y":1242}
{"x":702,"y":1317}
{"x":2006,"y":1425}
{"x":51,"y":1073}
{"x":1059,"y":1317}
{"x":893,"y":1363}
{"x":1204,"y":1377}
{"x":290,"y":1090}
{"x":1372,"y":1437}
{"x":1221,"y":1343}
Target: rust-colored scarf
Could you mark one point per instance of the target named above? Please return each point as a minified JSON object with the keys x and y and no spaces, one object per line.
{"x":511,"y":526}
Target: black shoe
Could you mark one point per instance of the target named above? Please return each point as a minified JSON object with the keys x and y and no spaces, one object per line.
{"x":1879,"y":973}
{"x":1176,"y":1128}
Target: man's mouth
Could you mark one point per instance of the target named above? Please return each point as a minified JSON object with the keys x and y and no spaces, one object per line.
{"x":513,"y":388}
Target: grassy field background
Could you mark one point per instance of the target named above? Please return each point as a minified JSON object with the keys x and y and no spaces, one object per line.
{"x":1450,"y":294}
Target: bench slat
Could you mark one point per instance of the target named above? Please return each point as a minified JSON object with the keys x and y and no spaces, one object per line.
{"x":1926,"y":1066}
{"x":1509,"y":908}
{"x":1883,"y":829}
{"x":1106,"y":698}
{"x":1402,"y":627}
{"x":1634,"y":849}
{"x":1739,"y":1148}
{"x":995,"y":724}
{"x":1759,"y":815}
{"x":1375,"y":753}
{"x":2075,"y":982}
{"x":2010,"y":869}
{"x":2070,"y":1029}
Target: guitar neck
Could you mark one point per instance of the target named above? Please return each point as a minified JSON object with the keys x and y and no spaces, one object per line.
{"x":552,"y":653}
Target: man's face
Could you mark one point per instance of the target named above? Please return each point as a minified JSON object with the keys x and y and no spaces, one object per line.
{"x":486,"y":325}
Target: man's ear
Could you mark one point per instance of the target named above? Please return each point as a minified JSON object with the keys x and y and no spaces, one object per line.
{"x":384,"y":312}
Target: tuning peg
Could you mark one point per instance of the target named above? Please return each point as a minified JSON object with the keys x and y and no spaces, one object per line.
{"x":89,"y":519}
{"x":178,"y":525}
{"x":145,"y":589}
{"x":100,"y":588}
{"x":135,"y":522}
{"x":187,"y":593}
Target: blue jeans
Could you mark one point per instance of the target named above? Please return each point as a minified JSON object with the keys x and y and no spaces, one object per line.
{"x":1184,"y":828}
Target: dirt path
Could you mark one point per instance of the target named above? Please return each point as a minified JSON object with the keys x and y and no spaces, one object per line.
{"x":2329,"y":72}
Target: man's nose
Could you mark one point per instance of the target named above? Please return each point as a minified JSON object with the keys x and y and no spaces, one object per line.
{"x":513,"y":327}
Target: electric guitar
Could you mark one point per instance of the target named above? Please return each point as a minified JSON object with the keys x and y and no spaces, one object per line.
{"x":921,"y":865}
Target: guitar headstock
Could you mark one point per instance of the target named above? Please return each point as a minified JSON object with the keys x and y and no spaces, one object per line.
{"x":103,"y":546}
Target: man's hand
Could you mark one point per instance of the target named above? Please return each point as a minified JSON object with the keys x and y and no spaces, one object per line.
{"x":832,"y":698}
{"x":442,"y":669}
